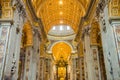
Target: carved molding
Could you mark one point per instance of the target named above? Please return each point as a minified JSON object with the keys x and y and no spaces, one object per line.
{"x":6,"y":9}
{"x":27,"y":35}
{"x":101,"y":7}
{"x":19,"y":6}
{"x":102,"y":20}
{"x":114,"y":8}
{"x":94,"y":33}
{"x":85,"y":31}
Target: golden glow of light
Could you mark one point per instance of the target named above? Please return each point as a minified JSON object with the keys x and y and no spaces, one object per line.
{"x":62,"y":72}
{"x":61,"y":49}
{"x":60,"y":2}
{"x":61,"y":21}
{"x":62,"y":79}
{"x":61,"y":12}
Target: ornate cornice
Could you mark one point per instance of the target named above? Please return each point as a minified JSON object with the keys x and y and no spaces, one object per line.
{"x":86,"y":19}
{"x":114,"y":9}
{"x":94,"y":33}
{"x":6,"y":20}
{"x":102,"y":20}
{"x":36,"y":31}
{"x":19,"y":6}
{"x":101,"y":6}
{"x":36,"y":19}
{"x":6,"y":9}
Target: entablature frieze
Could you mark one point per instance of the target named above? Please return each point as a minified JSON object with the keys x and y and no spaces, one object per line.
{"x":114,"y":9}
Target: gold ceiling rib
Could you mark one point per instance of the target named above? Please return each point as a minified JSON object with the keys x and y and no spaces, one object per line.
{"x":86,"y":20}
{"x":56,"y":12}
{"x":35,"y":20}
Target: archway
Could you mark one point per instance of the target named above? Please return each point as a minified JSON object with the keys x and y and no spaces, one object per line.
{"x":26,"y":43}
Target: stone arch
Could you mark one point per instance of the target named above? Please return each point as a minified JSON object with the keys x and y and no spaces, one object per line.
{"x":94,"y":35}
{"x":26,"y":45}
{"x":27,"y":36}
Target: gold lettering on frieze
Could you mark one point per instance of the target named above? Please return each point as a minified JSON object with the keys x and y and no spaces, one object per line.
{"x":115,"y":2}
{"x":7,"y":13}
{"x":6,"y":5}
{"x":6,"y":9}
{"x":114,"y":8}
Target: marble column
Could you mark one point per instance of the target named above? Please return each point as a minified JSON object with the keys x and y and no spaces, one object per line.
{"x":102,"y":63}
{"x":73,"y":69}
{"x":35,"y":57}
{"x":42,"y":62}
{"x":81,"y":61}
{"x":15,"y":34}
{"x":21,"y":64}
{"x":69,"y":71}
{"x":88,"y":57}
{"x":82,"y":70}
{"x":51,"y":70}
{"x":95,"y":42}
{"x":28,"y":55}
{"x":5,"y":28}
{"x":109,"y":47}
{"x":96,"y":63}
{"x":48,"y":68}
{"x":41,"y":68}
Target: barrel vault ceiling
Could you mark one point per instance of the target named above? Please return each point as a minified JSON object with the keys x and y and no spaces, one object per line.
{"x":61,"y":19}
{"x":60,"y":12}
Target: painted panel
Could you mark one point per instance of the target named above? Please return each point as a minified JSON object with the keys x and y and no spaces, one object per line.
{"x":4,"y":31}
{"x":117,"y":37}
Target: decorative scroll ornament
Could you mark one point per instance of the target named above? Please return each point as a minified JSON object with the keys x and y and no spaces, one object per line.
{"x":101,"y":7}
{"x":114,"y":9}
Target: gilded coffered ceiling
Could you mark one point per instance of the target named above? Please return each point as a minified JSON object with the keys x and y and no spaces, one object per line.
{"x":60,"y":12}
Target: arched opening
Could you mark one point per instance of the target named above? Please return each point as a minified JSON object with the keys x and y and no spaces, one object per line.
{"x":26,"y":41}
